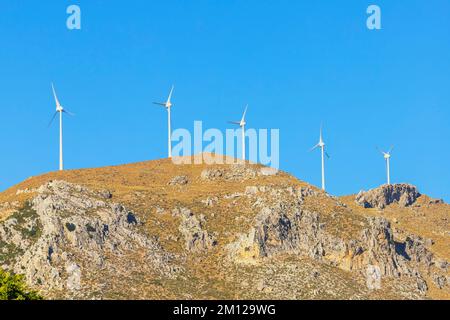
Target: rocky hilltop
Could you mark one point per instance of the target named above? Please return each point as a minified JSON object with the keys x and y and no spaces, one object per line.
{"x":155,"y":230}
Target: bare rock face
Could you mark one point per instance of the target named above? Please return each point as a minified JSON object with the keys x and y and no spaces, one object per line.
{"x":192,"y":228}
{"x":237,"y":172}
{"x":417,"y":250}
{"x":440,"y":281}
{"x":69,"y":233}
{"x":73,"y":242}
{"x":212,"y":174}
{"x":380,"y":248}
{"x":403,"y":194}
{"x":179,"y":180}
{"x":286,"y":227}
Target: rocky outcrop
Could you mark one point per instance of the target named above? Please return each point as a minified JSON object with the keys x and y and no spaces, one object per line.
{"x":196,"y":238}
{"x":416,"y":249}
{"x":403,"y":194}
{"x":287,"y":227}
{"x":179,"y":181}
{"x":210,"y":201}
{"x":69,"y":233}
{"x":379,"y":248}
{"x":440,"y":281}
{"x":303,"y":233}
{"x":237,"y":172}
{"x":284,"y":225}
{"x":261,"y":239}
{"x":212,"y":174}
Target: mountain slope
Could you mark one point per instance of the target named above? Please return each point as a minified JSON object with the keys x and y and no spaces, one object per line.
{"x":158,"y":230}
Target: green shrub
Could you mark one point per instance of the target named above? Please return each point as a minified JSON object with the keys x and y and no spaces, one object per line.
{"x":12,"y":287}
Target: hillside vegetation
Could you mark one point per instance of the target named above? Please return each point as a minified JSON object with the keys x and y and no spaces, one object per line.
{"x":156,"y":230}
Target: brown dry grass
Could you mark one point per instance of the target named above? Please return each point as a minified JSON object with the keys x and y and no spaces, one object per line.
{"x":144,"y":186}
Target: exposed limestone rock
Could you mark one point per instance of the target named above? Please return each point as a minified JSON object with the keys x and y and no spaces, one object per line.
{"x":25,"y":191}
{"x":160,"y":210}
{"x":266,"y":171}
{"x":179,"y":181}
{"x":283,"y":228}
{"x":306,"y":192}
{"x":277,"y":240}
{"x":436,"y":201}
{"x":74,"y":276}
{"x":212,"y":174}
{"x":251,"y":190}
{"x":245,"y":249}
{"x":69,"y":233}
{"x":240,"y":172}
{"x":210,"y":201}
{"x":237,"y":172}
{"x":441,"y":264}
{"x":233,"y":195}
{"x":422,"y":285}
{"x":403,"y":194}
{"x":416,"y":249}
{"x":381,"y":250}
{"x":192,"y":228}
{"x":105,"y":194}
{"x":440,"y":281}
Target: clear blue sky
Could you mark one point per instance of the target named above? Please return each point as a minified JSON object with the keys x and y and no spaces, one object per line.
{"x":297,"y":63}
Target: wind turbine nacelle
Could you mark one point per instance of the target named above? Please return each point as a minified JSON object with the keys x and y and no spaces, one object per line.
{"x":59,"y":109}
{"x":243,"y":123}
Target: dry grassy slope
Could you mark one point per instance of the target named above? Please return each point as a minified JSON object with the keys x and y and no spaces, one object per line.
{"x":143,"y":187}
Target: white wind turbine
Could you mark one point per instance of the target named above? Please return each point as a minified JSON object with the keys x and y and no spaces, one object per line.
{"x":387,"y":157}
{"x":242,"y":124}
{"x":321,"y":145}
{"x":60,"y":110}
{"x":168,"y":105}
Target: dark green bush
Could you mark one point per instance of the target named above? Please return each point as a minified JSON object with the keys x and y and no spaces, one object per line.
{"x":70,"y":226}
{"x":12,"y":287}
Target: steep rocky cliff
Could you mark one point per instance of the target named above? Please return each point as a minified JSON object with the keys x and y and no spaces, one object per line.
{"x":158,"y":230}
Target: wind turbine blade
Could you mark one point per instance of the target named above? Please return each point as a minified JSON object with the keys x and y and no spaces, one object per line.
{"x":159,"y":104}
{"x":245,"y":112}
{"x":54,"y":95}
{"x":69,"y":113}
{"x":321,"y":129}
{"x":328,"y":156}
{"x":379,"y":150}
{"x":170,"y":94}
{"x":313,"y":148}
{"x":53,"y":118}
{"x":390,"y":150}
{"x":234,"y":122}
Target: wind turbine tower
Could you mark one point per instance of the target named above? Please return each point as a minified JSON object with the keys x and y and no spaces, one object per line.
{"x":168,"y":106}
{"x":60,"y":110}
{"x":242,"y":124}
{"x":321,"y":145}
{"x":387,"y":157}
